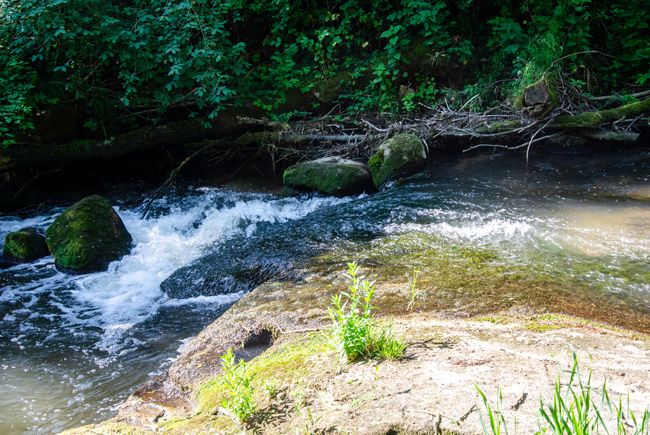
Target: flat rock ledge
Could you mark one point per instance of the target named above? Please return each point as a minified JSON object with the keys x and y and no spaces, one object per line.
{"x":432,"y":390}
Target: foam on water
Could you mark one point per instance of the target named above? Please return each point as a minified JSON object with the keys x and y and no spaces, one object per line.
{"x":469,"y":226}
{"x":129,"y":292}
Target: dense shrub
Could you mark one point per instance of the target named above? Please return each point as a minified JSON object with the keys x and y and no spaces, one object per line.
{"x":115,"y":56}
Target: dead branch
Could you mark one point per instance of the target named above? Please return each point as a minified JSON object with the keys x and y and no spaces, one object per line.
{"x":172,"y":176}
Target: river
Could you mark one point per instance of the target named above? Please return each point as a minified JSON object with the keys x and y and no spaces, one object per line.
{"x":73,"y":347}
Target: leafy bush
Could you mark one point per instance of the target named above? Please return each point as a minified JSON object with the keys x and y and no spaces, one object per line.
{"x":356,"y":331}
{"x":105,"y":57}
{"x":239,"y":392}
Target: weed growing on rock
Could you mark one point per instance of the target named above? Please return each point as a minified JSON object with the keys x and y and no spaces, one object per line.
{"x":355,"y":329}
{"x":238,"y":401}
{"x":574,"y":409}
{"x":414,"y":293}
{"x":495,"y":423}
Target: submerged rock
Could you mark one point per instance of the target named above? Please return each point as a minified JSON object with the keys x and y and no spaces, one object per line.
{"x":88,"y":236}
{"x":403,"y":154}
{"x":25,"y":245}
{"x":329,"y":175}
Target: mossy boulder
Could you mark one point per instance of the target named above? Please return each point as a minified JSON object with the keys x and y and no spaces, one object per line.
{"x":87,"y":236}
{"x":329,"y":175}
{"x":403,"y":154}
{"x":25,"y":245}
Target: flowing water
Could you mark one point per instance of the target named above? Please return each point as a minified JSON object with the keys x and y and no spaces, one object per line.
{"x":73,"y":347}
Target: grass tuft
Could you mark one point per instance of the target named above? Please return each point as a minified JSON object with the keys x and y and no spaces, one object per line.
{"x":575,"y":409}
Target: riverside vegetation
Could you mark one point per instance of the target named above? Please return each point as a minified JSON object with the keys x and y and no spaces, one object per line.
{"x":355,"y":333}
{"x":575,"y":408}
{"x":149,"y":56}
{"x":255,"y":85}
{"x":347,"y":98}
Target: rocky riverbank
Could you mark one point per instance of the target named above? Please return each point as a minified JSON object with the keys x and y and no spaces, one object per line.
{"x":455,"y":342}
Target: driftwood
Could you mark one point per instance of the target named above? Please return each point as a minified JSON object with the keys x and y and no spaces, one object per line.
{"x":234,"y":136}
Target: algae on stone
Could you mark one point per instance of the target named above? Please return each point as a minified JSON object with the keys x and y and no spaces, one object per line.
{"x":403,"y":154}
{"x":594,"y":119}
{"x":330,"y":175}
{"x":88,"y":236}
{"x":25,"y":245}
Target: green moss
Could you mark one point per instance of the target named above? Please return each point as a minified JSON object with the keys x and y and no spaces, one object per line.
{"x":476,"y":256}
{"x":87,"y":236}
{"x":402,"y":154}
{"x":287,"y":365}
{"x":500,"y":126}
{"x":495,"y":318}
{"x":283,"y":362}
{"x":331,"y":176}
{"x":25,"y":245}
{"x":594,"y":119}
{"x":477,"y":281}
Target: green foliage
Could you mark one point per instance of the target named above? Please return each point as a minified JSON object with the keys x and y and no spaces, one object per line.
{"x":105,"y":57}
{"x":496,"y":423}
{"x":355,"y":329}
{"x":574,"y":410}
{"x":414,"y":293}
{"x":239,"y":391}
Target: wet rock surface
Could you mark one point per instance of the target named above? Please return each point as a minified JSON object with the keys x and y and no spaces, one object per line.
{"x":401,"y":155}
{"x":25,"y":245}
{"x":330,"y":175}
{"x":88,"y":236}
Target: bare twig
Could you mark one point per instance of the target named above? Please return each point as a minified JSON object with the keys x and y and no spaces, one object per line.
{"x":172,"y":176}
{"x":516,"y":147}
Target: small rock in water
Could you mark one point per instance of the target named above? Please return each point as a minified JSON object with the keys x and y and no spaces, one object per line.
{"x":25,"y":245}
{"x":329,"y":175}
{"x":403,"y":154}
{"x":88,"y":236}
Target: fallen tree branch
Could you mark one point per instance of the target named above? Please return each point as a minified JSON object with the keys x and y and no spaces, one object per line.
{"x":508,"y":147}
{"x":599,"y":117}
{"x":609,"y":97}
{"x":171,"y":178}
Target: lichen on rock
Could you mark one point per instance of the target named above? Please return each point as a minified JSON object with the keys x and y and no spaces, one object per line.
{"x":329,"y":175}
{"x":403,"y":154}
{"x":25,"y":245}
{"x":87,"y":236}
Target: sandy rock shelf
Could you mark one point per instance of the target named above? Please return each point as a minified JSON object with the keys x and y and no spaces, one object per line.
{"x":431,"y":390}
